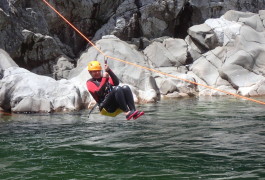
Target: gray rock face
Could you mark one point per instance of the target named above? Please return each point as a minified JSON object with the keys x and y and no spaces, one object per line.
{"x":23,"y":91}
{"x":39,"y":52}
{"x":204,"y":36}
{"x":179,"y":40}
{"x":6,"y":61}
{"x":236,"y":61}
{"x":62,"y":68}
{"x":165,"y":55}
{"x":125,"y":19}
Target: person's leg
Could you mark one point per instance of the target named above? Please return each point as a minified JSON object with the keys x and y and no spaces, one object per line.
{"x":109,"y":103}
{"x":120,"y":98}
{"x":129,"y":97}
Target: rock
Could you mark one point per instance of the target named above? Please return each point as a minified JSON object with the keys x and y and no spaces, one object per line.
{"x":255,"y":90}
{"x":172,"y":52}
{"x":23,"y":91}
{"x":238,"y":76}
{"x":6,"y":60}
{"x":62,"y":68}
{"x":37,"y":58}
{"x":244,"y":58}
{"x":238,"y":65}
{"x":99,"y":18}
{"x":194,"y":50}
{"x":148,"y":96}
{"x":226,"y":31}
{"x":175,"y":95}
{"x":159,"y":55}
{"x":175,"y":82}
{"x":203,"y":35}
{"x":253,"y":22}
{"x":205,"y":71}
{"x":32,"y":104}
{"x":233,"y":15}
{"x":262,"y":16}
{"x":178,"y":48}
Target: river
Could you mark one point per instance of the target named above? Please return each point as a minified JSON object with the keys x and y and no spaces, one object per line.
{"x":193,"y":138}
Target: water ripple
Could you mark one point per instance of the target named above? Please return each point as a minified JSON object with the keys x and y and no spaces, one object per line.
{"x":184,"y":139}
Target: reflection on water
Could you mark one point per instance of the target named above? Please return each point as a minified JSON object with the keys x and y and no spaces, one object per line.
{"x":206,"y":138}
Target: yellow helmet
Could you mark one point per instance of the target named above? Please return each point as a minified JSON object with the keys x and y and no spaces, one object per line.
{"x":94,"y":66}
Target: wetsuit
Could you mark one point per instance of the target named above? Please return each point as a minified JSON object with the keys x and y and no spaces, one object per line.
{"x":109,"y":95}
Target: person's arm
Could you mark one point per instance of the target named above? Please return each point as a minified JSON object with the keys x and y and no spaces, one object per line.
{"x":114,"y":80}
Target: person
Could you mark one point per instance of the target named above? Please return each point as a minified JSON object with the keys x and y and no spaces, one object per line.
{"x":111,"y":98}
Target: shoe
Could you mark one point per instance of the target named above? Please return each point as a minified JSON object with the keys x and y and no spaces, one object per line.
{"x":131,"y":115}
{"x":139,"y":114}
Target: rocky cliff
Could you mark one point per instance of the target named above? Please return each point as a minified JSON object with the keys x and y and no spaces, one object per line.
{"x":200,"y":41}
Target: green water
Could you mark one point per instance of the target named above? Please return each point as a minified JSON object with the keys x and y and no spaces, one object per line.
{"x":214,"y":138}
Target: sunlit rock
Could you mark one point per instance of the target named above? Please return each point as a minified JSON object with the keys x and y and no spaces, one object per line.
{"x":171,"y":52}
{"x":23,"y":91}
{"x":6,"y":61}
{"x":203,"y":35}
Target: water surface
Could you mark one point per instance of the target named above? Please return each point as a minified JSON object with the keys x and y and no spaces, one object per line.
{"x":206,"y":138}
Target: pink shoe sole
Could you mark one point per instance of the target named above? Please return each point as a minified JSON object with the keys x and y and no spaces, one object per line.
{"x":132,"y":115}
{"x":138,"y":115}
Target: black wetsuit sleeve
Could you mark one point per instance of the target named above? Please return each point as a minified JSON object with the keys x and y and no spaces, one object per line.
{"x":115,"y":79}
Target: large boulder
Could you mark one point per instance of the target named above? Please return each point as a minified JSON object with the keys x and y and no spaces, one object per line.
{"x":169,"y":53}
{"x":205,"y":70}
{"x":203,"y":35}
{"x":35,"y":57}
{"x":23,"y":91}
{"x":225,"y":30}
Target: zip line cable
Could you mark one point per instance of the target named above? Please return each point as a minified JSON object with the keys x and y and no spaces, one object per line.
{"x":143,"y":67}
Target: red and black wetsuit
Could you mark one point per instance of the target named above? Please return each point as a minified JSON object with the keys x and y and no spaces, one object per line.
{"x":109,"y":95}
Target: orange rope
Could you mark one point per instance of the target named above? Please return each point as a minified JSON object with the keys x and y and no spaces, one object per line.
{"x":143,"y":67}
